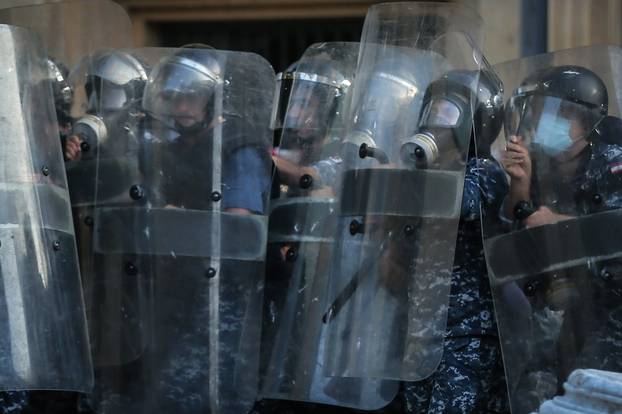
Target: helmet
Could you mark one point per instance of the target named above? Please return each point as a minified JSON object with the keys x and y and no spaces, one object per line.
{"x":115,"y":81}
{"x":543,"y":107}
{"x":571,"y":83}
{"x":284,"y":82}
{"x":313,"y":109}
{"x":488,"y":110}
{"x":456,"y":107}
{"x":181,"y":89}
{"x":62,"y":89}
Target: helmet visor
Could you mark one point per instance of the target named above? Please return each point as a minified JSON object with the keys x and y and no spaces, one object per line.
{"x":178,"y":89}
{"x":548,"y":120}
{"x":440,"y":112}
{"x":105,"y":96}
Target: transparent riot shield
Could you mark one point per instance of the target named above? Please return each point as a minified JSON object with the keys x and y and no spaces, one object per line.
{"x":115,"y":81}
{"x":44,"y":341}
{"x":180,"y":250}
{"x":302,"y":222}
{"x":555,"y":265}
{"x":400,"y":195}
{"x":78,"y":36}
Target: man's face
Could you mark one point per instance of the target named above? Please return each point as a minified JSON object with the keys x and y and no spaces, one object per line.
{"x":305,"y":125}
{"x":302,"y":115}
{"x":188,"y":109}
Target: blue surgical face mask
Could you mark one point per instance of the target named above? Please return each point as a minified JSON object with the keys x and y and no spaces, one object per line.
{"x":553,"y":134}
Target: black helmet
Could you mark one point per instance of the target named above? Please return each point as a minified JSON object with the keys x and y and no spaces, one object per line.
{"x":571,"y":83}
{"x":284,"y":81}
{"x":460,"y":105}
{"x":115,"y":81}
{"x":573,"y":92}
{"x":488,"y":113}
{"x":63,"y":90}
{"x":191,"y":73}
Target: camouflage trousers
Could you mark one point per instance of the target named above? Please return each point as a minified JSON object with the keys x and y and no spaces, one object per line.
{"x":469,"y":379}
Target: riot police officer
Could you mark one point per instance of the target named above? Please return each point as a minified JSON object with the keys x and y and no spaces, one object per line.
{"x":195,"y":252}
{"x":312,"y":126}
{"x":558,"y":111}
{"x":186,"y":117}
{"x":302,"y":221}
{"x":469,"y":378}
{"x":121,"y":77}
{"x":563,"y":157}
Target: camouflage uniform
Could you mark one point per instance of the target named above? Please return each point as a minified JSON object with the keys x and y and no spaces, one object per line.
{"x":594,"y":187}
{"x":585,"y":333}
{"x":469,"y":378}
{"x":13,"y":402}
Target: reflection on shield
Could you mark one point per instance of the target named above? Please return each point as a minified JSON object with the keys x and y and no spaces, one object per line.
{"x":179,"y":268}
{"x":399,"y":198}
{"x":556,"y":285}
{"x":44,"y":341}
{"x":301,"y":238}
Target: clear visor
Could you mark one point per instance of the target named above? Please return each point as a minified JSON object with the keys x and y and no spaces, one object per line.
{"x":178,"y":91}
{"x":440,"y":112}
{"x":310,"y":106}
{"x":119,"y":68}
{"x":106,"y":95}
{"x":549,"y":122}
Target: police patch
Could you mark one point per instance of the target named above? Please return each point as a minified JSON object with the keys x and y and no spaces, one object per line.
{"x":616,"y":168}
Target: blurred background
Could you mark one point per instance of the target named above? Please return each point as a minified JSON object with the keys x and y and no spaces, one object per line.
{"x":280,"y":30}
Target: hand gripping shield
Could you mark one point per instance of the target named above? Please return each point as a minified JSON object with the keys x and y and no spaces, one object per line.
{"x":556,"y":280}
{"x":44,"y":341}
{"x":180,"y":252}
{"x":302,"y":222}
{"x":399,"y":197}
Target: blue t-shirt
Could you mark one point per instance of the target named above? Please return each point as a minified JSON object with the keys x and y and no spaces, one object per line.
{"x":246,"y":180}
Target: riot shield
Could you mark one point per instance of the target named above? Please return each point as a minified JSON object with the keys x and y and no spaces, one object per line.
{"x":44,"y":341}
{"x":302,"y":221}
{"x":115,"y":81}
{"x":400,"y":195}
{"x":180,"y":251}
{"x":554,"y":267}
{"x":284,"y":81}
{"x":72,"y":32}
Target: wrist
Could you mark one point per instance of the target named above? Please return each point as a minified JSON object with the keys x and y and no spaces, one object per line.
{"x":520,"y":189}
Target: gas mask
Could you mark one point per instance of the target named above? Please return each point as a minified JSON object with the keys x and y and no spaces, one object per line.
{"x":443,"y":127}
